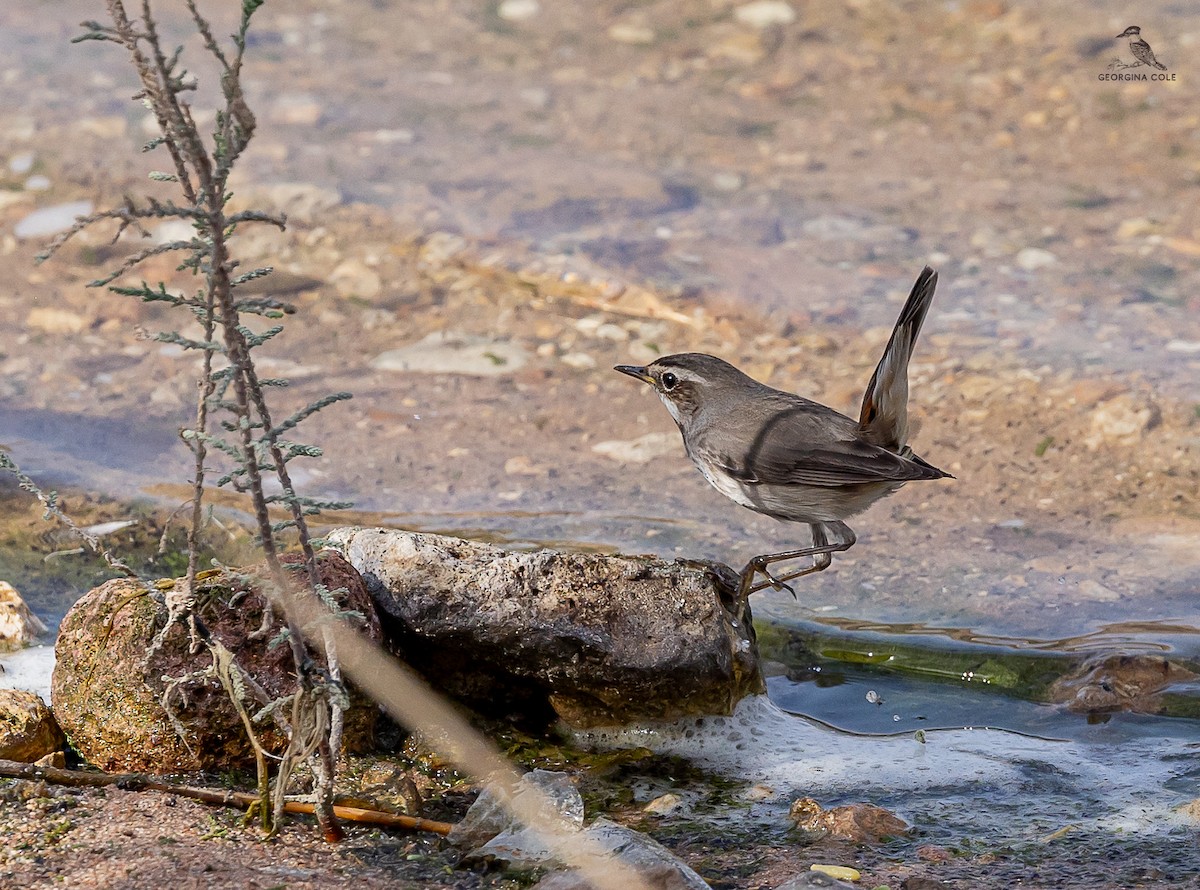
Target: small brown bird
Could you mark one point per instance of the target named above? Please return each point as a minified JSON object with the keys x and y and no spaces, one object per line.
{"x":1141,"y":49}
{"x":792,"y":458}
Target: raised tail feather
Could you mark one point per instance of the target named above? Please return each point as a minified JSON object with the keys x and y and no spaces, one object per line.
{"x":883,"y":420}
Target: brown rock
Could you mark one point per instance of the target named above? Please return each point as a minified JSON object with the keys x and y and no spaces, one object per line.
{"x":109,"y":699}
{"x":28,"y":730}
{"x":1118,"y":682}
{"x":18,"y":625}
{"x":597,"y":640}
{"x":858,"y":822}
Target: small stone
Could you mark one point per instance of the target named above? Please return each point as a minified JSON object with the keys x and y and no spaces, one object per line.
{"x":634,"y":34}
{"x":28,"y":730}
{"x":440,"y":247}
{"x":446,"y":352}
{"x":579,"y":360}
{"x":1123,"y":420}
{"x":53,"y":760}
{"x":522,"y":466}
{"x":663,"y":804}
{"x":765,"y":13}
{"x":1094,"y":591}
{"x":300,"y":109}
{"x":354,"y":278}
{"x":22,"y":163}
{"x":855,"y":822}
{"x":55,"y":321}
{"x":18,"y":625}
{"x":1138,"y":227}
{"x":727,"y":182}
{"x":613,"y":332}
{"x":1033,"y":258}
{"x":641,"y":450}
{"x":518,"y":10}
{"x":51,"y":220}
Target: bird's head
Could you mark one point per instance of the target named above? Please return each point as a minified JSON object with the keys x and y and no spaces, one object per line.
{"x":1131,"y":31}
{"x":689,"y":380}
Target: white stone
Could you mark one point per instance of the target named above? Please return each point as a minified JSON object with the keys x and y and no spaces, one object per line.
{"x":765,"y":13}
{"x":51,"y":220}
{"x":518,"y":10}
{"x":1033,"y":258}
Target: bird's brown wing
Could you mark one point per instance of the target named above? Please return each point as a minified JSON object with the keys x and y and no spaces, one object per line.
{"x":806,"y":443}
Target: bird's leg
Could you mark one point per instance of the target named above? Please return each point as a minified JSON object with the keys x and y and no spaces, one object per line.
{"x":821,"y":553}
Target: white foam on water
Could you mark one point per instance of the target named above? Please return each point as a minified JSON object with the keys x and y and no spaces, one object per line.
{"x":1090,"y":786}
{"x":29,"y":668}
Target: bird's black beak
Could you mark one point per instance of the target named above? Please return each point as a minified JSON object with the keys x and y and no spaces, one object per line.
{"x":639,"y":372}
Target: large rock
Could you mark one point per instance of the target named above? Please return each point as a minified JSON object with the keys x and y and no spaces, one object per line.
{"x":108,"y":698}
{"x":28,"y":730}
{"x":603,"y":640}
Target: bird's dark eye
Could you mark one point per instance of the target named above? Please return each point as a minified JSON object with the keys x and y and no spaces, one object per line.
{"x":668,"y":380}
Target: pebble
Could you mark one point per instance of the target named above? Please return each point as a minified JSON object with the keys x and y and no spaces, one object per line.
{"x":51,"y":220}
{"x":627,"y":32}
{"x":444,"y":352}
{"x":1136,"y":228}
{"x":579,"y":360}
{"x":1033,"y":258}
{"x":521,"y":465}
{"x":1122,"y":420}
{"x":518,"y":10}
{"x":22,"y":163}
{"x":53,"y":320}
{"x":354,"y":278}
{"x":765,"y":13}
{"x":1094,"y":591}
{"x":664,"y":804}
{"x":641,"y":450}
{"x":727,"y":182}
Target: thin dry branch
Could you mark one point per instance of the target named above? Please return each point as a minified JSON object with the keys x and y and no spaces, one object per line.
{"x":238,"y":799}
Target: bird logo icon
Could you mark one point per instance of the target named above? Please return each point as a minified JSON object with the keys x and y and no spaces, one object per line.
{"x":1142,"y":53}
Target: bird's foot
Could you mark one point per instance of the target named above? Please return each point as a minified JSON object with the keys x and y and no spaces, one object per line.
{"x":777,"y":584}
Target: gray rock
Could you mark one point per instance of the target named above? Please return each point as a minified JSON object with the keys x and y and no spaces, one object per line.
{"x":488,"y":818}
{"x":813,"y":879}
{"x":445,"y":352}
{"x":601,"y":640}
{"x":499,"y":839}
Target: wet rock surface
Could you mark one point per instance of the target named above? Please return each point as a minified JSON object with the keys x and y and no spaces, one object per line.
{"x":109,"y":698}
{"x":601,"y":640}
{"x":492,"y":837}
{"x":1120,"y":682}
{"x":859,"y":822}
{"x":28,"y":730}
